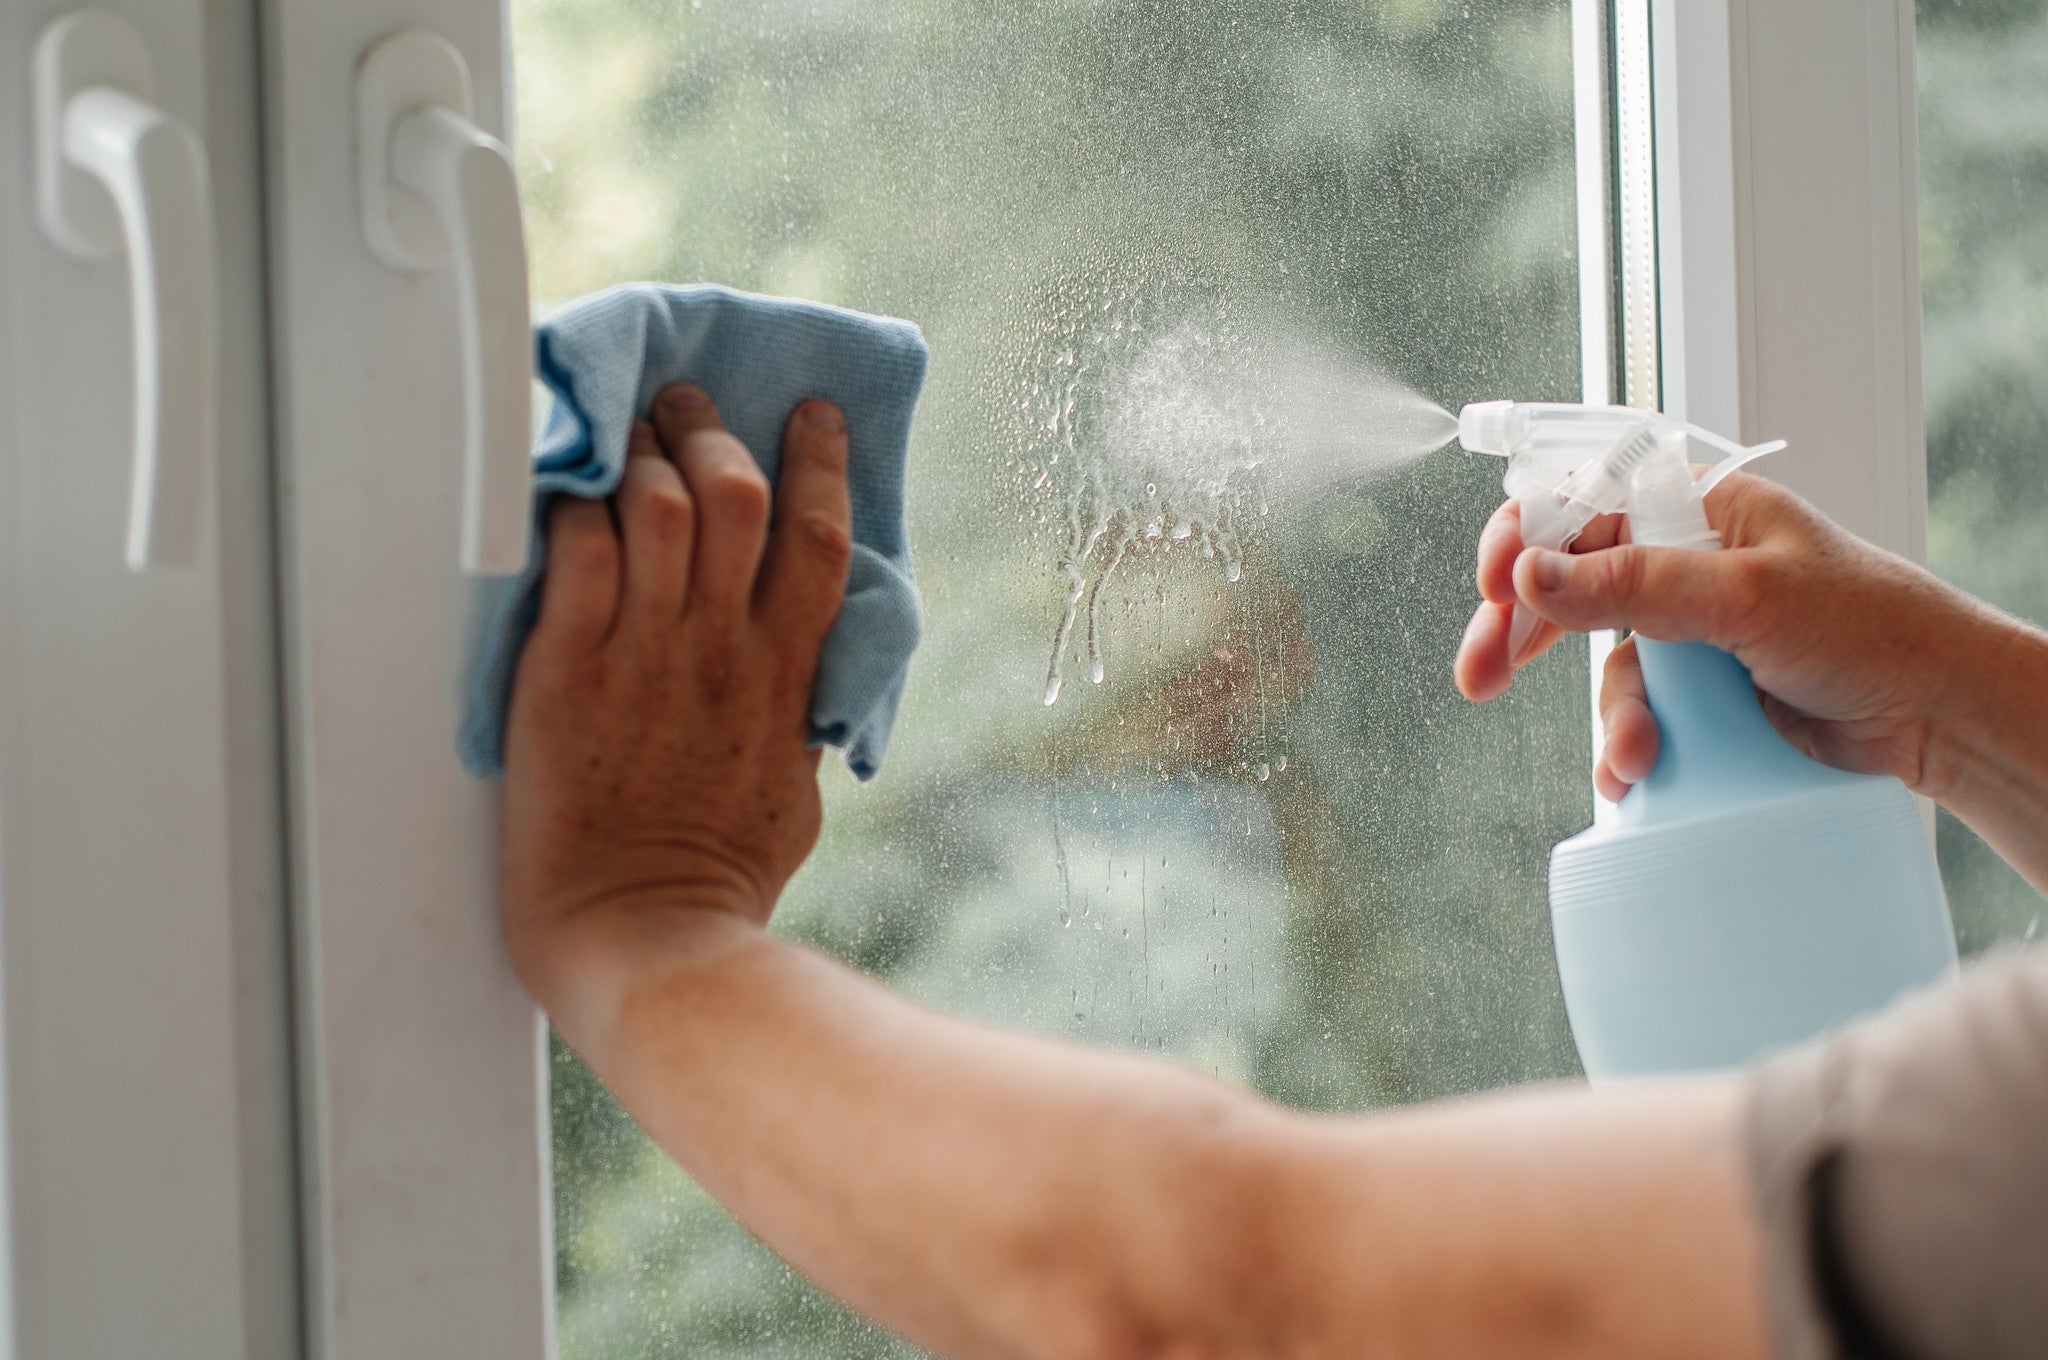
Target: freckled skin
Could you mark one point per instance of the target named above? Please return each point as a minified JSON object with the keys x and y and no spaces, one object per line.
{"x":993,"y":1194}
{"x":682,"y":673}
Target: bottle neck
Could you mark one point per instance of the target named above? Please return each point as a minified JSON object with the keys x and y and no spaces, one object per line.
{"x":1665,"y":509}
{"x":1716,"y":746}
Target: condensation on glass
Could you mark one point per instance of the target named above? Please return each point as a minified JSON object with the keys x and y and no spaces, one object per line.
{"x":1177,"y":265}
{"x":1983,"y":87}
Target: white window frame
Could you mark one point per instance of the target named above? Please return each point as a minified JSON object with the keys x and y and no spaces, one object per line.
{"x":1789,"y":245}
{"x":148,"y":1186}
{"x":1749,"y":241}
{"x":424,"y":1138}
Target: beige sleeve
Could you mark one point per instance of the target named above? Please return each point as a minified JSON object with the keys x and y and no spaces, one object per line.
{"x":1901,"y":1171}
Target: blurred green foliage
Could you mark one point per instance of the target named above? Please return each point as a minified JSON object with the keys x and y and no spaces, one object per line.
{"x":1273,"y":842}
{"x":1984,"y":252}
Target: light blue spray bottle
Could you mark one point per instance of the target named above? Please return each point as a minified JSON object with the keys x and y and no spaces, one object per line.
{"x":1743,"y":897}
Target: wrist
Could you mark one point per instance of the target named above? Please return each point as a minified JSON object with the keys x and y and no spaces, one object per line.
{"x":1988,"y":737}
{"x":581,"y":960}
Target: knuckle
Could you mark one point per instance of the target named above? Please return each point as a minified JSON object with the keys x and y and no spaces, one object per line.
{"x":1751,"y":580}
{"x":1503,"y":529}
{"x":590,"y":554}
{"x":666,"y":512}
{"x":824,"y":536}
{"x":1623,"y":578}
{"x":738,"y":489}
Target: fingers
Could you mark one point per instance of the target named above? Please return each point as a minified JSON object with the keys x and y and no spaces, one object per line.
{"x":1631,"y":742}
{"x":1487,"y":657}
{"x":1493,"y":650}
{"x":1500,"y":543}
{"x":1632,"y":738}
{"x":731,"y":496}
{"x":804,"y":575}
{"x":658,"y":522}
{"x":1672,"y":594}
{"x":1529,"y":636}
{"x":1481,"y":669}
{"x":580,"y":596}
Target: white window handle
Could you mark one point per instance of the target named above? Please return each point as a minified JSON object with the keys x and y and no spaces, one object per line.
{"x":94,"y":121}
{"x":435,"y":189}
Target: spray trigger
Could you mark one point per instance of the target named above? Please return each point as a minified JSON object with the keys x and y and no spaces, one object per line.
{"x":1736,"y":456}
{"x":1570,"y":464}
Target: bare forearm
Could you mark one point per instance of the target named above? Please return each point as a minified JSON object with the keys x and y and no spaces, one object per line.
{"x":1991,"y":761}
{"x":982,"y":1192}
{"x":989,"y":1194}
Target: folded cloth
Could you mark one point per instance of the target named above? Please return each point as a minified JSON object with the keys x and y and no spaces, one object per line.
{"x":605,"y":356}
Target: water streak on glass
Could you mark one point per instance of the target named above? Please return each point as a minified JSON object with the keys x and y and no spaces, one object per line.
{"x":1198,"y":281}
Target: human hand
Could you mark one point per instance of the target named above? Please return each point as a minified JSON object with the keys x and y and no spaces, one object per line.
{"x":655,"y":751}
{"x":1853,"y":649}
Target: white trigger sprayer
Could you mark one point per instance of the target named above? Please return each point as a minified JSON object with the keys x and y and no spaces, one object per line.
{"x":1743,"y":896}
{"x":1568,"y":465}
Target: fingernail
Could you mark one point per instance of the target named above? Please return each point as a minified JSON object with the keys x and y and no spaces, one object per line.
{"x":822,"y":415}
{"x":683,"y":397}
{"x":1550,"y":570}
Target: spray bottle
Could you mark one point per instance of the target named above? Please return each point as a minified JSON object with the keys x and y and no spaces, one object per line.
{"x":1743,"y":896}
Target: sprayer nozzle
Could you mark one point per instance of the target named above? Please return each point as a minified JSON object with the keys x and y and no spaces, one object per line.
{"x":1483,"y":427}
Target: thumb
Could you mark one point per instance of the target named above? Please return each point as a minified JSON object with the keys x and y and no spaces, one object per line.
{"x":1671,"y":594}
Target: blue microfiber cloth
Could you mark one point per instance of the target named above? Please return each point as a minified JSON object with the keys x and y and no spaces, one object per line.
{"x":605,"y":356}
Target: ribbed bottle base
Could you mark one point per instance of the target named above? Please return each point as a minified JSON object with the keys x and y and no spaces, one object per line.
{"x":1707,"y":942}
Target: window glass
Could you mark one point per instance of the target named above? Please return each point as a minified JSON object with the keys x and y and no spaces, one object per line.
{"x":1983,"y":77}
{"x":1179,"y":265}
